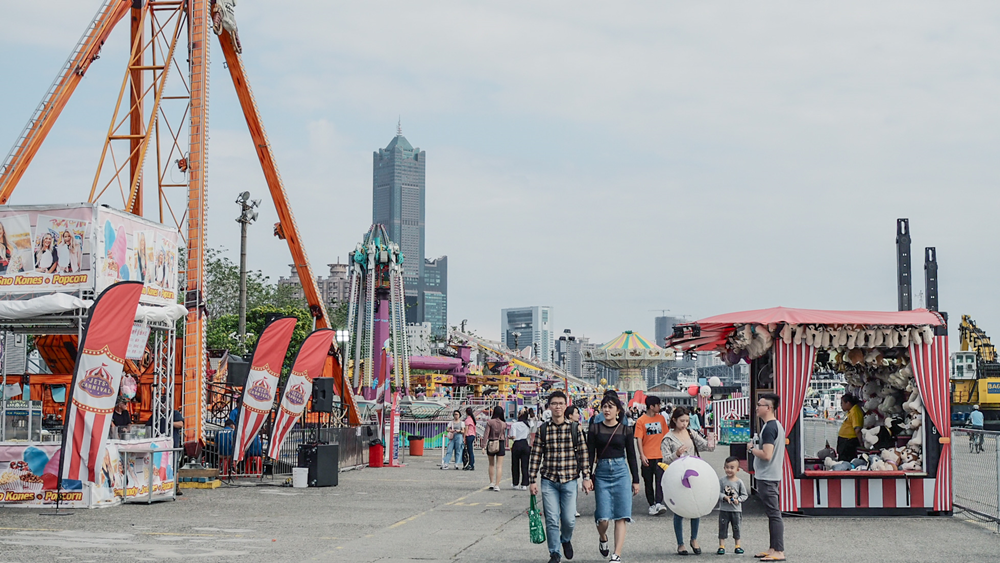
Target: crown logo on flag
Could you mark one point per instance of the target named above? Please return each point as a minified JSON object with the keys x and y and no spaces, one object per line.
{"x":261,"y":391}
{"x":296,"y":395}
{"x":96,"y":382}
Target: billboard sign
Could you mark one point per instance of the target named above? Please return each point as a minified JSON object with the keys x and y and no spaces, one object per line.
{"x":82,"y":247}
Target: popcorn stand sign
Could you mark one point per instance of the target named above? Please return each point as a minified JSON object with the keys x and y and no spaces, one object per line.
{"x":82,"y":247}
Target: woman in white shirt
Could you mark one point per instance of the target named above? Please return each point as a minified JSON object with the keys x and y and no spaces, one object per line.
{"x":520,"y":451}
{"x":46,"y":257}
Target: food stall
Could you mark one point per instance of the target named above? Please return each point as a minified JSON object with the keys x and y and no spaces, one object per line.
{"x":54,"y":260}
{"x":896,"y":363}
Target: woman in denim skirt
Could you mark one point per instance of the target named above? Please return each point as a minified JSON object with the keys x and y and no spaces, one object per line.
{"x":610,"y":444}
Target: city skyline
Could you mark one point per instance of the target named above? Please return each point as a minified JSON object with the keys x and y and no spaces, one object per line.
{"x":779,"y":135}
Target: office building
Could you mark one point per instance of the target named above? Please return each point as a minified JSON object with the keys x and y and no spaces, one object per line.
{"x":569,"y":356}
{"x":398,"y":202}
{"x":333,"y":289}
{"x":534,"y":326}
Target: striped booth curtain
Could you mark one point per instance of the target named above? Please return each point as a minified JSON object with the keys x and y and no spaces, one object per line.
{"x":930,"y":369}
{"x":793,"y":366}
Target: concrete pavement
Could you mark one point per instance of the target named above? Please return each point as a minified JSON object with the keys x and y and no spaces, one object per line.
{"x":421,"y":513}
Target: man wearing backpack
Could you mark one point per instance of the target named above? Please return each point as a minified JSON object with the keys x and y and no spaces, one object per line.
{"x":559,"y":453}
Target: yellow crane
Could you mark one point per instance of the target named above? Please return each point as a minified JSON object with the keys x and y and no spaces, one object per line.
{"x":975,"y":372}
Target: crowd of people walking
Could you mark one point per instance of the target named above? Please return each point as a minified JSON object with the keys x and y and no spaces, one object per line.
{"x":554,"y":456}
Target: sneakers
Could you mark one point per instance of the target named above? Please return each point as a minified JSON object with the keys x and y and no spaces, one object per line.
{"x":568,"y":550}
{"x":554,"y":557}
{"x":602,"y":546}
{"x":654,"y":510}
{"x":492,"y":487}
{"x":660,"y":508}
{"x":615,"y":559}
{"x":445,"y":466}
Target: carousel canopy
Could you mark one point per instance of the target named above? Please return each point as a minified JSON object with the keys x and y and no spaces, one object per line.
{"x":629,"y":351}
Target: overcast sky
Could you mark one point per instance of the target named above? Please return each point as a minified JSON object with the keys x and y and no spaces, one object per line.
{"x":603,"y":158}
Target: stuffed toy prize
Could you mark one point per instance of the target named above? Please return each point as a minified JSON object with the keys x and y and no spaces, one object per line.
{"x":690,"y":487}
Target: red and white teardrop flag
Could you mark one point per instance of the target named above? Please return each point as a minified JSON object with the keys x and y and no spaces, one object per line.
{"x":98,"y":374}
{"x":262,"y":382}
{"x":309,"y":363}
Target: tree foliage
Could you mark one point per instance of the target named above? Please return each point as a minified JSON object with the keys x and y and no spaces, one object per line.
{"x":222,"y":287}
{"x":222,"y":330}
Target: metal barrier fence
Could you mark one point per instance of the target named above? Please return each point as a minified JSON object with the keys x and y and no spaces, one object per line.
{"x":976,"y":472}
{"x":353,"y":451}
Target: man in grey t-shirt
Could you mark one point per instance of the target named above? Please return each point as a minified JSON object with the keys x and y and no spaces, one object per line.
{"x":768,"y":450}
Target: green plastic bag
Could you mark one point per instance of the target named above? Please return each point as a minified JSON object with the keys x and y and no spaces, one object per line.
{"x":535,"y":524}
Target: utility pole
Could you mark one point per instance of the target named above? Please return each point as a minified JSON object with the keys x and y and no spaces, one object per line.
{"x":247,"y":216}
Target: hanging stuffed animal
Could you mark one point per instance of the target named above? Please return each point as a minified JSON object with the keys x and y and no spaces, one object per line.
{"x":786,"y":334}
{"x":927,"y":334}
{"x":800,"y":334}
{"x":915,"y":337}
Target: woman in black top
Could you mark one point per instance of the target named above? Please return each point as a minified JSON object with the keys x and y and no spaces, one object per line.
{"x":610,"y":444}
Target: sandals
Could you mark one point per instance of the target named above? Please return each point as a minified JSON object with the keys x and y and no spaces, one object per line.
{"x":769,"y":558}
{"x":722,"y":551}
{"x":761,"y":555}
{"x":739,"y":551}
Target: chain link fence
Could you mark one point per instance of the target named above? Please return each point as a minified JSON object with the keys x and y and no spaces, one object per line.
{"x":976,"y":472}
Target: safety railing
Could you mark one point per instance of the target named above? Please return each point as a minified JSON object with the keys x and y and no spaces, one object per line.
{"x":353,"y":451}
{"x":976,"y":472}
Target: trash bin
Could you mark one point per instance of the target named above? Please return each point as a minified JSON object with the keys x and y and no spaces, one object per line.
{"x":375,"y":453}
{"x":416,"y":446}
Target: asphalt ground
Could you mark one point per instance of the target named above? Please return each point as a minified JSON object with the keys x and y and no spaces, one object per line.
{"x":421,"y":513}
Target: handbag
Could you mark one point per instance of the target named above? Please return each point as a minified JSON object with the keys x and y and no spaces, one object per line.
{"x":536,"y":528}
{"x":492,"y":446}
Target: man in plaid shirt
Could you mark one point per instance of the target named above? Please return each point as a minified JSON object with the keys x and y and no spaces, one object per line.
{"x":562,"y":458}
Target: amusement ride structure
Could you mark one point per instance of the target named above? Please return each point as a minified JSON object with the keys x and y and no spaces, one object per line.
{"x":630,"y":353}
{"x":377,"y":323}
{"x":157,"y":144}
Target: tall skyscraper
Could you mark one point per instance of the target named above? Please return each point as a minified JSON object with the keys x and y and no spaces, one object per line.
{"x":398,"y":196}
{"x":534,"y":326}
{"x":435,"y":296}
{"x":398,"y":202}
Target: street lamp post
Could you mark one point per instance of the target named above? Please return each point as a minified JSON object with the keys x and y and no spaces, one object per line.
{"x":247,"y":216}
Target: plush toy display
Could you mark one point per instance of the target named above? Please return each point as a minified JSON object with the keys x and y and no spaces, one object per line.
{"x":690,"y":487}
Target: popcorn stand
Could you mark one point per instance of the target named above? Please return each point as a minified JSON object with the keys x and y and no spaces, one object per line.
{"x":54,"y":260}
{"x":896,"y":363}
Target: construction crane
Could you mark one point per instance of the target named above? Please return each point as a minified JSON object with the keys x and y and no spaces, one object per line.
{"x":975,"y":373}
{"x":153,"y":115}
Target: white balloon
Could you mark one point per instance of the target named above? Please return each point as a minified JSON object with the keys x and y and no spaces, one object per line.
{"x":705,"y":391}
{"x":714,"y":381}
{"x":690,"y":487}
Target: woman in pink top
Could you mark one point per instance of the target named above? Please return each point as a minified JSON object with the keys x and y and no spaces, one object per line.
{"x":470,"y":438}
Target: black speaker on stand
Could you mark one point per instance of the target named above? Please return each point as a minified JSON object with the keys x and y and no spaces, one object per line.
{"x":237,"y":372}
{"x":322,"y":397}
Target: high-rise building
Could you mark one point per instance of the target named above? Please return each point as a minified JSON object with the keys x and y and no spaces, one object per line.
{"x":435,"y":296}
{"x":333,"y":289}
{"x":398,"y":202}
{"x":534,"y":328}
{"x":569,"y":355}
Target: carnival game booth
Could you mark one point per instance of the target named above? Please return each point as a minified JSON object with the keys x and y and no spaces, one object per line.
{"x":54,"y":262}
{"x":895,"y":362}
